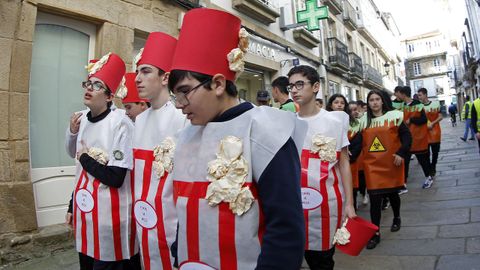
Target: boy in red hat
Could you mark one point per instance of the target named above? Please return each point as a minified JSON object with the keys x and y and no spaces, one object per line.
{"x":134,"y":105}
{"x":326,"y":178}
{"x":237,"y":169}
{"x":101,"y":140}
{"x":154,"y":143}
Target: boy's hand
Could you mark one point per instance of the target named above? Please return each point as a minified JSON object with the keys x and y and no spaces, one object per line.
{"x":75,"y":123}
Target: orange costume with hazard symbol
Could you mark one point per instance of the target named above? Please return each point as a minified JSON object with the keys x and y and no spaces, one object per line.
{"x":381,"y":141}
{"x":432,"y":110}
{"x":419,"y":131}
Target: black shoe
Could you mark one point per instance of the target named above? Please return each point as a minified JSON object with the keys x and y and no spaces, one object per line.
{"x":397,"y":223}
{"x":463,"y":139}
{"x":373,"y":242}
{"x":471,"y":139}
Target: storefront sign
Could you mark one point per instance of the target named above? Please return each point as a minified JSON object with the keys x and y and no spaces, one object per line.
{"x":261,"y":50}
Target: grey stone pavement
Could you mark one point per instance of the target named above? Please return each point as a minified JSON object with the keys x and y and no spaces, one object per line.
{"x":440,"y":226}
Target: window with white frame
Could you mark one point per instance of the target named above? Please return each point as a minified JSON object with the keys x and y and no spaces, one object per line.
{"x":417,"y":85}
{"x":333,"y":88}
{"x":417,"y":69}
{"x":436,"y":64}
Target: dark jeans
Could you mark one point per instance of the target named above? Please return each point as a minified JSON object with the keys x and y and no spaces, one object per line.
{"x":423,"y":159}
{"x":376,"y":206}
{"x":320,"y":260}
{"x":434,"y":148}
{"x":89,"y":263}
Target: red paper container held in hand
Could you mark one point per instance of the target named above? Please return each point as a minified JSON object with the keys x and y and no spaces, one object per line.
{"x":361,"y":231}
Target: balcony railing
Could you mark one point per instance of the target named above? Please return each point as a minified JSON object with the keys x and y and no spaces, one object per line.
{"x":335,"y":6}
{"x":337,"y":54}
{"x":349,"y":16}
{"x":265,"y":11}
{"x":372,"y":75}
{"x":356,"y":66}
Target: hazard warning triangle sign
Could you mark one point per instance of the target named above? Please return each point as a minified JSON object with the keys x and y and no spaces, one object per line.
{"x":377,"y":146}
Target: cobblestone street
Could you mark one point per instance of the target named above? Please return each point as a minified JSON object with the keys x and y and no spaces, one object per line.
{"x":440,"y":226}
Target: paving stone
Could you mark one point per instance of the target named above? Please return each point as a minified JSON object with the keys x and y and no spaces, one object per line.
{"x":435,"y":217}
{"x":463,"y":262}
{"x":407,"y":232}
{"x":345,"y":262}
{"x":439,"y":205}
{"x":468,"y":181}
{"x":473,"y":245}
{"x":475,"y":214}
{"x":419,"y":247}
{"x":461,"y":230}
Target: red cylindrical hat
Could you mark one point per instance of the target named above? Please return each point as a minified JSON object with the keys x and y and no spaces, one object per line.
{"x":132,"y":92}
{"x":110,"y":69}
{"x":206,"y":38}
{"x":158,"y":51}
{"x":360,"y":232}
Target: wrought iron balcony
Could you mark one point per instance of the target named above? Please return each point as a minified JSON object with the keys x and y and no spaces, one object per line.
{"x":264,"y":11}
{"x":349,"y":16}
{"x":335,"y":6}
{"x":337,"y":54}
{"x":356,"y":66}
{"x":372,"y":77}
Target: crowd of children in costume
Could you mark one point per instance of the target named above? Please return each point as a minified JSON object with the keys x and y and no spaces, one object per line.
{"x":189,"y":177}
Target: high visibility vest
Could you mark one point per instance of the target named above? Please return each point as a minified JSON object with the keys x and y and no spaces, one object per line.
{"x":476,"y":103}
{"x":432,"y":110}
{"x":469,"y":114}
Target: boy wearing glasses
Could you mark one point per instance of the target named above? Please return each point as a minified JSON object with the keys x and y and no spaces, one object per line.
{"x":235,"y":186}
{"x":101,"y":140}
{"x":326,"y":181}
{"x":153,"y":144}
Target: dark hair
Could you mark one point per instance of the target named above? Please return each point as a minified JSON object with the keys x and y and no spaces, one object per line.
{"x":108,"y":93}
{"x":281,"y":83}
{"x":406,"y":90}
{"x":397,"y":89}
{"x":353,"y":103}
{"x":178,"y":75}
{"x":385,"y":106}
{"x":422,"y":90}
{"x":346,"y":109}
{"x":467,"y":97}
{"x":146,"y":102}
{"x":361,"y":103}
{"x":307,"y":71}
{"x":319,"y":100}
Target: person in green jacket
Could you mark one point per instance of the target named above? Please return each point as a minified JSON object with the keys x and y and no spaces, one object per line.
{"x":280,"y":94}
{"x":467,"y":115}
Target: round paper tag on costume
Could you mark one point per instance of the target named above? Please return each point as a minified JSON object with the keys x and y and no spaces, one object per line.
{"x":84,"y":200}
{"x":145,"y":214}
{"x":311,"y":198}
{"x":195,"y":266}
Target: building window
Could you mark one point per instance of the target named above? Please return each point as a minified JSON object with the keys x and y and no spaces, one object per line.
{"x":417,"y":85}
{"x":436,"y":64}
{"x":411,"y":48}
{"x":416,"y":69}
{"x":333,"y":88}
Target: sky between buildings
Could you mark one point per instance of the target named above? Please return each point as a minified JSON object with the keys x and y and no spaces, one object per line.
{"x":415,"y":17}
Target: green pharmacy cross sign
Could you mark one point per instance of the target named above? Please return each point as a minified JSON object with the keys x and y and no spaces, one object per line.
{"x":312,"y":15}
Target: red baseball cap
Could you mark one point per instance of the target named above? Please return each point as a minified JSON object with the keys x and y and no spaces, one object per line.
{"x":132,"y":92}
{"x":158,"y":51}
{"x":206,"y":38}
{"x":110,"y":69}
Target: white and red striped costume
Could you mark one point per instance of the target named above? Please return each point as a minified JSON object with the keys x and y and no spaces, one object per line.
{"x":156,"y":222}
{"x":101,"y":214}
{"x":322,"y":188}
{"x":213,"y":237}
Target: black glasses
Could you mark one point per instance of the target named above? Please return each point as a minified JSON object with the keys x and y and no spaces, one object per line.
{"x":95,"y":86}
{"x":298,"y":85}
{"x":180,"y":98}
